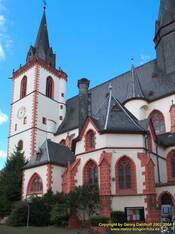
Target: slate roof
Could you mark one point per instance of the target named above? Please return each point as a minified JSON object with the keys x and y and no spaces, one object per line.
{"x":53,"y":153}
{"x":42,"y":47}
{"x":167,"y":11}
{"x":112,"y":116}
{"x":134,"y":87}
{"x":166,"y":140}
{"x":154,"y":86}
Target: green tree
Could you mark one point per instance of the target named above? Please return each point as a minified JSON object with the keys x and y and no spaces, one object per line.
{"x":84,"y":199}
{"x":11,"y":181}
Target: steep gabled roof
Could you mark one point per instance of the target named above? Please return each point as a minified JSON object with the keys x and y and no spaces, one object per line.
{"x":53,"y":153}
{"x":112,"y":116}
{"x":153,"y":87}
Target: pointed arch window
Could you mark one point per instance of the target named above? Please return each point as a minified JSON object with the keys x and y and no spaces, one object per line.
{"x":124,"y":171}
{"x":158,"y":122}
{"x":50,"y":87}
{"x":23,"y":88}
{"x":90,"y":140}
{"x":125,"y":175}
{"x":35,"y":185}
{"x":91,"y":173}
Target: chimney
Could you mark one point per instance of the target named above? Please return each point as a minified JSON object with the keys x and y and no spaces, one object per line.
{"x":83,"y":86}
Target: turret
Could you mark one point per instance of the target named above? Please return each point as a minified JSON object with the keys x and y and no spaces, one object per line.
{"x":165,"y":37}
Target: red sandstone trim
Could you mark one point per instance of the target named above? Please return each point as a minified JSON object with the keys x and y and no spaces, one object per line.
{"x":35,"y":111}
{"x":89,"y":120}
{"x":172,"y":117}
{"x":68,"y":177}
{"x":164,"y":193}
{"x":49,"y":176}
{"x":169,"y":166}
{"x":105,"y":184}
{"x":43,"y":64}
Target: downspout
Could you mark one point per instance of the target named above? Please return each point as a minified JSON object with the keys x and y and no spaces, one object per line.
{"x":158,"y":166}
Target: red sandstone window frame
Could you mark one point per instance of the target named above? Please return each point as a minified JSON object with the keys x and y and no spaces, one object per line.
{"x":63,"y":142}
{"x":132,"y":188}
{"x":90,"y":173}
{"x":50,"y":87}
{"x":90,"y":140}
{"x":35,"y":185}
{"x":23,"y":87}
{"x":158,"y":121}
{"x":171,"y":166}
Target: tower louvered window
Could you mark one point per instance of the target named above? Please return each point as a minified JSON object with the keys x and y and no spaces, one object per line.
{"x":23,"y":89}
{"x":50,"y":87}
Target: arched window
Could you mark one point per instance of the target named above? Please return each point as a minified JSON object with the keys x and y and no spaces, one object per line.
{"x":90,"y":140}
{"x":91,"y":173}
{"x":63,"y":142}
{"x":171,"y":166}
{"x":23,"y":89}
{"x":125,"y":175}
{"x":35,"y":185}
{"x":50,"y":87}
{"x":158,"y":122}
{"x":20,"y":145}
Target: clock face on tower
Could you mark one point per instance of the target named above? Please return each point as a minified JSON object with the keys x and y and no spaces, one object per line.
{"x":21,"y":112}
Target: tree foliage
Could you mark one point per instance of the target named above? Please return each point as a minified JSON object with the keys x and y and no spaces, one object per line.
{"x":10,"y":181}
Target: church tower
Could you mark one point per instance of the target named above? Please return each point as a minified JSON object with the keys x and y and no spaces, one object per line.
{"x":165,"y":37}
{"x":38,"y":101}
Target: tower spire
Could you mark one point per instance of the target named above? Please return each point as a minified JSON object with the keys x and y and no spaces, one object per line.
{"x":134,"y":87}
{"x":42,"y":47}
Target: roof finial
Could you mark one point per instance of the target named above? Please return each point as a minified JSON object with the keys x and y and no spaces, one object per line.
{"x":44,"y":4}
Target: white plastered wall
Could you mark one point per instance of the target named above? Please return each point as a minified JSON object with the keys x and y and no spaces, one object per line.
{"x":57,"y":173}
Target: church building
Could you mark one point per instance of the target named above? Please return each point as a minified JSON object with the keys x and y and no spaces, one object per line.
{"x":119,"y":134}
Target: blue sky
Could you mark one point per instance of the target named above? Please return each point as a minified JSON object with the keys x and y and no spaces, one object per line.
{"x":95,"y":39}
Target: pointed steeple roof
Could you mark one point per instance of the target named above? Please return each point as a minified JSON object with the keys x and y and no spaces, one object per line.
{"x":166,"y":12}
{"x":42,"y":40}
{"x":112,"y":116}
{"x":134,"y":87}
{"x":42,"y":47}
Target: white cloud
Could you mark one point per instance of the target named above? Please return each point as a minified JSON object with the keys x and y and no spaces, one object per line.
{"x":5,"y":41}
{"x":2,"y":20}
{"x":3,"y":117}
{"x":2,"y":53}
{"x":3,"y":154}
{"x":144,"y":58}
